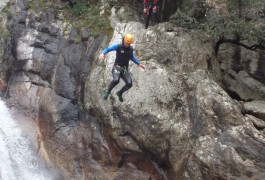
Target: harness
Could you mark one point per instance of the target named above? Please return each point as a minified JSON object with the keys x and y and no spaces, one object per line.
{"x":123,"y":69}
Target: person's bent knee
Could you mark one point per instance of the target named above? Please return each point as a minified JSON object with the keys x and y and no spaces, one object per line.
{"x":114,"y":81}
{"x":129,"y":85}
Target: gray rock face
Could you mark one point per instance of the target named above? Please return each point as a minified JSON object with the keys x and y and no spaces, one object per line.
{"x":256,"y":108}
{"x":123,"y":14}
{"x":176,"y":121}
{"x":258,"y":123}
{"x":175,"y":111}
{"x":242,"y":71}
{"x":45,"y":93}
{"x":44,"y":87}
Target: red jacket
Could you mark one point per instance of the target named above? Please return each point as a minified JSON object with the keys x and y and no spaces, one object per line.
{"x":149,"y":2}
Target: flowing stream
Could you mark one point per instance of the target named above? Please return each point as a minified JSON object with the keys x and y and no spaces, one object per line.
{"x":18,"y":161}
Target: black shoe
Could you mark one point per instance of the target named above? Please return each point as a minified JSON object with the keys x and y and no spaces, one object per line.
{"x":106,"y":95}
{"x":120,"y":96}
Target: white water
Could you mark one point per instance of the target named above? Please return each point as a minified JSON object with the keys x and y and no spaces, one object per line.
{"x":17,"y":160}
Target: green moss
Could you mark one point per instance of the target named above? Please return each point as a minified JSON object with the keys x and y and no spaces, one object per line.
{"x":7,"y":11}
{"x":81,"y":106}
{"x":89,"y":18}
{"x":3,"y":29}
{"x":77,"y":39}
{"x":97,"y":24}
{"x":103,"y":85}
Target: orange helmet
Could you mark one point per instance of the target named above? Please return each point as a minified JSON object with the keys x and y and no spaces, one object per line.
{"x":128,"y":38}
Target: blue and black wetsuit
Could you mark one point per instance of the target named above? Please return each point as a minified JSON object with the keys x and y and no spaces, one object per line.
{"x":120,"y":68}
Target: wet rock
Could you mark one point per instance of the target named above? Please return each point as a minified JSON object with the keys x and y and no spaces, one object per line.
{"x":64,"y":84}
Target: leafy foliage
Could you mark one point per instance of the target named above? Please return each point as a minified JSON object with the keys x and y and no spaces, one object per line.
{"x":91,"y":19}
{"x":79,"y":13}
{"x":79,"y":9}
{"x":230,"y":19}
{"x":184,"y":20}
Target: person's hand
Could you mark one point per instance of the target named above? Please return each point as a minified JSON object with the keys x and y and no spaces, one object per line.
{"x":145,"y":10}
{"x":142,"y":66}
{"x":101,"y":57}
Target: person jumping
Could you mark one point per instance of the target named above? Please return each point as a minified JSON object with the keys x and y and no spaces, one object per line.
{"x":124,"y":53}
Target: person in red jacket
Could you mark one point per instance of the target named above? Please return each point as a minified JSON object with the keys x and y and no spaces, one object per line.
{"x":150,"y":7}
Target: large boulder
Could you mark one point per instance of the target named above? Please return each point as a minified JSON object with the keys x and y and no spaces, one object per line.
{"x":175,"y":111}
{"x":45,"y":96}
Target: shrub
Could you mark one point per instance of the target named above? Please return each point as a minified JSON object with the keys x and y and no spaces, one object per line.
{"x":231,"y":19}
{"x":79,"y":9}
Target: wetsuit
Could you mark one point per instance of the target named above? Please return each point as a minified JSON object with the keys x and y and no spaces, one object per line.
{"x":151,"y":6}
{"x":120,"y":68}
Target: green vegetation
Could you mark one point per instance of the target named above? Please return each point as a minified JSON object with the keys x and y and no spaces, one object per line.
{"x":230,"y":20}
{"x":37,"y":4}
{"x":182,"y":19}
{"x":3,"y":29}
{"x":77,"y":39}
{"x":7,"y":10}
{"x":89,"y":18}
{"x":79,"y":9}
{"x":79,"y":13}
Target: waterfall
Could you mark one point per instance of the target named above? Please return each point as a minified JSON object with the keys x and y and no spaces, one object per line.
{"x":18,"y":161}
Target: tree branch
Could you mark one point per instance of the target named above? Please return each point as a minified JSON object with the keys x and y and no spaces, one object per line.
{"x":223,"y":40}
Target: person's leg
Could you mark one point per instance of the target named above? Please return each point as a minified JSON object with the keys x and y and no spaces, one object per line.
{"x":128,"y":84}
{"x":155,"y":14}
{"x":148,"y":17}
{"x":116,"y":79}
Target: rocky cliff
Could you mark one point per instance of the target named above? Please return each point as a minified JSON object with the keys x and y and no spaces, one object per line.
{"x":191,"y":114}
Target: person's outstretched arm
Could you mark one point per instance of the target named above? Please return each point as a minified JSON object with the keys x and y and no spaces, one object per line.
{"x":107,"y":50}
{"x":133,"y":58}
